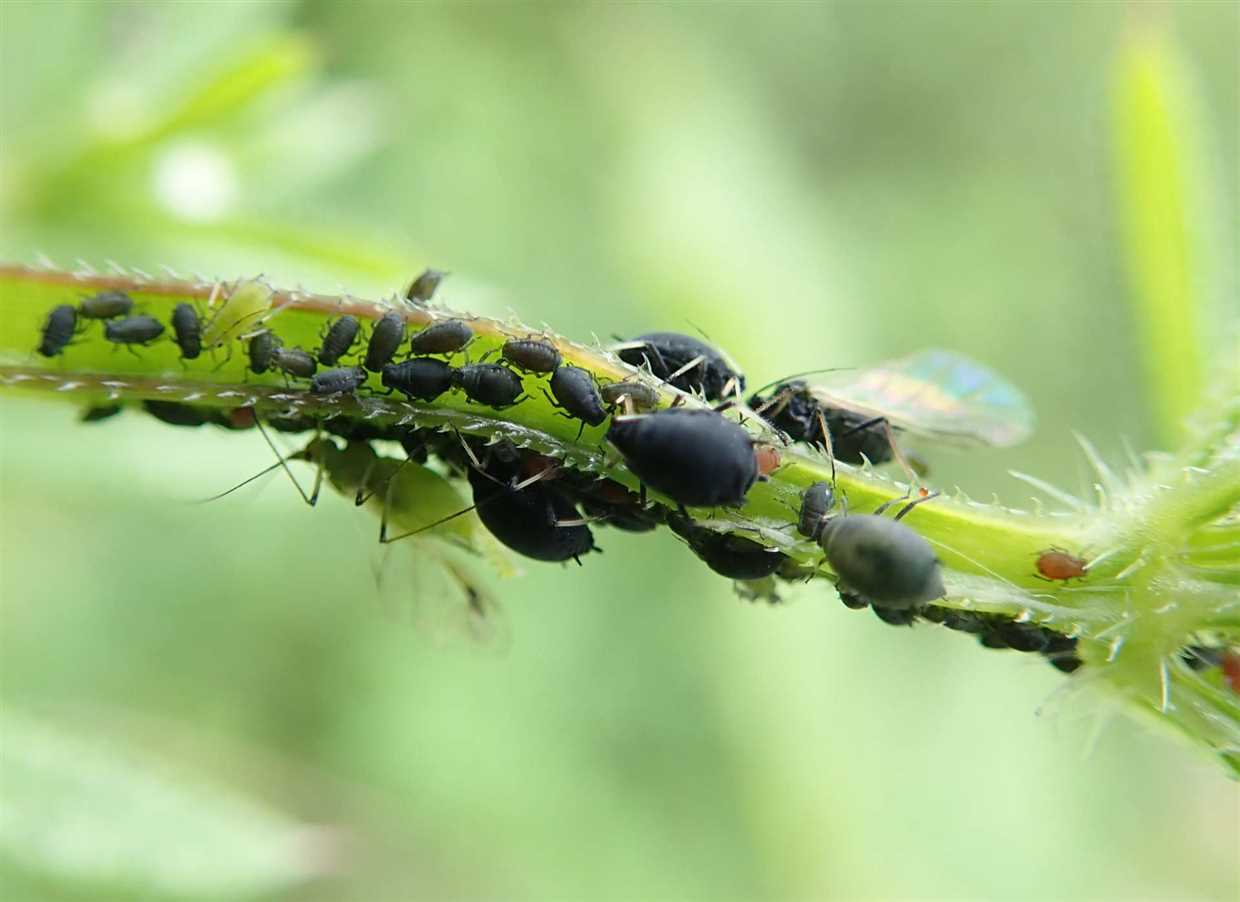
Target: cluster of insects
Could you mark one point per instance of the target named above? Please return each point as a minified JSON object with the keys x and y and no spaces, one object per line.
{"x":691,"y":456}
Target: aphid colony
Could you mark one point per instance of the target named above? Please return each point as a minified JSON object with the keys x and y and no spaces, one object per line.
{"x":692,"y":456}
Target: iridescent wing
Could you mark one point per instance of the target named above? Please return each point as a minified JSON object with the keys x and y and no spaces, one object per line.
{"x":937,"y":394}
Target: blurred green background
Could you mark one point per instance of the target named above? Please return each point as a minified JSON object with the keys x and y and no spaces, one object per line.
{"x":218,"y":701}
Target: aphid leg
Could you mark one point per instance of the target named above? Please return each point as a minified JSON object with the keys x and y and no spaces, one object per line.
{"x":309,"y":499}
{"x":827,"y":446}
{"x":779,"y":400}
{"x":696,"y":361}
{"x":912,"y":504}
{"x":909,"y":473}
{"x":241,"y":484}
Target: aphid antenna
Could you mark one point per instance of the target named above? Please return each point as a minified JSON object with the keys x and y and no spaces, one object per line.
{"x":696,"y":361}
{"x":817,"y":372}
{"x":1068,"y":500}
{"x":242,"y":484}
{"x":978,"y":564}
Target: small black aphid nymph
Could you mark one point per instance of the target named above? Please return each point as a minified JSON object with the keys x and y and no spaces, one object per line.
{"x":262,"y":348}
{"x":638,"y":395}
{"x":58,"y":330}
{"x":338,"y":341}
{"x":445,"y":337}
{"x":187,"y":331}
{"x":174,"y":413}
{"x":532,"y":354}
{"x":422,"y":378}
{"x":489,"y":383}
{"x":735,"y":557}
{"x":575,"y":390}
{"x":344,"y":380}
{"x":668,"y":353}
{"x":698,"y":458}
{"x":816,"y":502}
{"x":294,"y":362}
{"x":882,"y":560}
{"x":385,"y":339}
{"x":422,"y":289}
{"x":133,"y":330}
{"x":106,"y":305}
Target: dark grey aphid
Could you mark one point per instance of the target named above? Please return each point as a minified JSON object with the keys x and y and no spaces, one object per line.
{"x":882,"y":560}
{"x":446,"y":337}
{"x":58,"y":330}
{"x":574,"y":390}
{"x":732,"y":556}
{"x":106,"y":305}
{"x":421,"y":378}
{"x":489,"y":383}
{"x":133,"y":330}
{"x":292,"y":423}
{"x":639,"y":395}
{"x":705,"y":369}
{"x":262,"y":348}
{"x":895,"y":616}
{"x":532,"y":355}
{"x":175,"y":413}
{"x":422,"y":289}
{"x":339,"y":340}
{"x":97,"y":412}
{"x":187,"y":330}
{"x":345,"y":380}
{"x":697,"y":458}
{"x":294,"y":362}
{"x":792,"y":408}
{"x":816,"y":502}
{"x":532,"y":521}
{"x":385,"y":339}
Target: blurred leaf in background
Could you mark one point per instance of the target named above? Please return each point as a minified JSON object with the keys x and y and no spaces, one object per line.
{"x":813,"y":184}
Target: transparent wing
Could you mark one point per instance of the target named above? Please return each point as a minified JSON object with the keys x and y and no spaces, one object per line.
{"x":937,"y":394}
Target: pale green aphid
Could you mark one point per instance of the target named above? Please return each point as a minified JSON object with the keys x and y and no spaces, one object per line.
{"x":241,"y":311}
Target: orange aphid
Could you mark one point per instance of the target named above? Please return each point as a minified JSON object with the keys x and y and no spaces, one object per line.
{"x":1231,"y":669}
{"x":1057,"y":564}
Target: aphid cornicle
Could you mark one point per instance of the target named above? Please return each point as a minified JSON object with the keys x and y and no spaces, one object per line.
{"x":532,"y":355}
{"x":422,"y":289}
{"x":698,"y":458}
{"x":735,"y":557}
{"x":421,"y":378}
{"x":106,"y":305}
{"x":574,"y":390}
{"x":133,"y":330}
{"x":529,"y":520}
{"x":489,"y":383}
{"x":58,"y":330}
{"x":187,"y":331}
{"x":445,"y":337}
{"x":344,"y":380}
{"x":341,"y":335}
{"x":882,"y":560}
{"x":262,"y":348}
{"x":294,"y":362}
{"x":685,"y":362}
{"x":385,"y":339}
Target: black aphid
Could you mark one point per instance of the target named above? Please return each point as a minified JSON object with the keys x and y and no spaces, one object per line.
{"x":294,"y":362}
{"x":697,"y":458}
{"x":686,"y":362}
{"x":529,"y":520}
{"x":338,"y":341}
{"x":895,"y":616}
{"x":638,"y":396}
{"x":262,"y":349}
{"x":187,"y":330}
{"x":345,"y":380}
{"x":532,"y":355}
{"x":422,"y":289}
{"x":445,"y":337}
{"x":882,"y":560}
{"x":106,"y":305}
{"x":728,"y":555}
{"x":175,"y":413}
{"x":385,"y":339}
{"x":793,"y":409}
{"x":58,"y":330}
{"x":574,"y":391}
{"x":816,"y":502}
{"x":133,"y":330}
{"x":98,"y":412}
{"x":421,"y":378}
{"x":489,"y":383}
